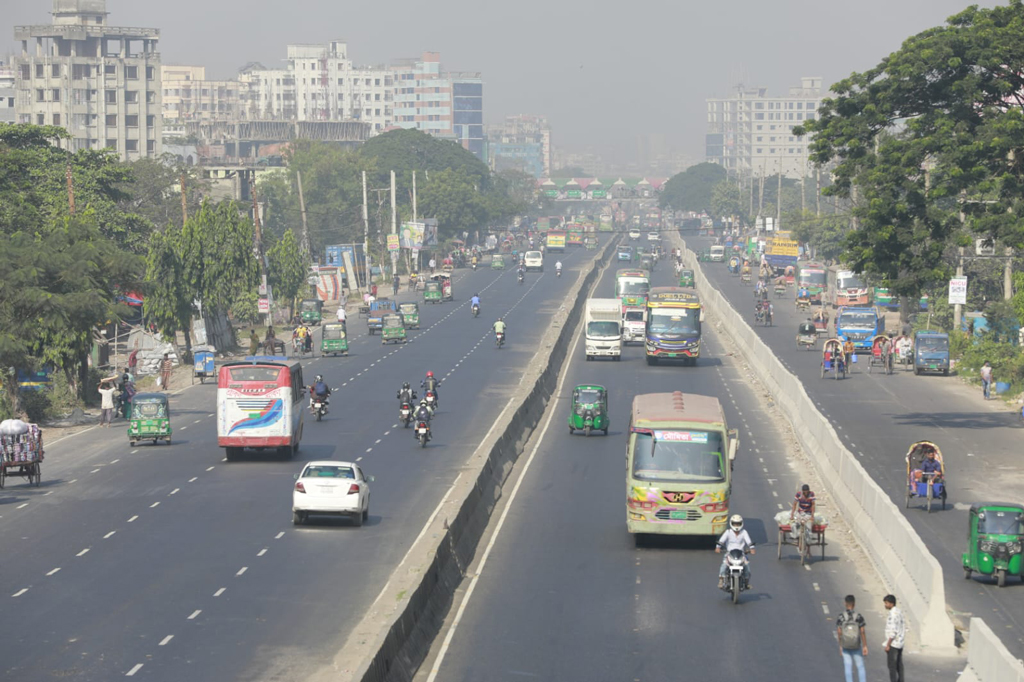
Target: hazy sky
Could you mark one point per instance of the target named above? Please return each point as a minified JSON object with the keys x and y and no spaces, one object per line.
{"x":602,"y":71}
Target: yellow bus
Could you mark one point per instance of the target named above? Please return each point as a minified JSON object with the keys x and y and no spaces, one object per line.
{"x":679,"y":461}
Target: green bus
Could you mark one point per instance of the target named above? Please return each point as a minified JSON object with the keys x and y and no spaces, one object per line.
{"x":679,"y":459}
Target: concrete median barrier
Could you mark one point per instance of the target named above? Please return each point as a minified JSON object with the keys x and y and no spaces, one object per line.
{"x":987,"y":659}
{"x":896,"y":550}
{"x":394,"y":636}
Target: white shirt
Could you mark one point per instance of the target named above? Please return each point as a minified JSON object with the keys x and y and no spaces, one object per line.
{"x":558,"y":265}
{"x":731,"y":540}
{"x":341,"y":313}
{"x":107,"y":402}
{"x":895,"y":627}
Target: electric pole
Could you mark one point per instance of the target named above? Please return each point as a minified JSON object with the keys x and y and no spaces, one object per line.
{"x":302,"y":209}
{"x":258,"y":251}
{"x":184,"y":200}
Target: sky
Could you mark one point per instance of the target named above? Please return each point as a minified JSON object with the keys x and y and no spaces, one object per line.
{"x":603,"y":71}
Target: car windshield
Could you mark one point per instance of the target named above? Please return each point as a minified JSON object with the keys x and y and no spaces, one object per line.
{"x":932,"y":344}
{"x":603,"y":328}
{"x":588,"y":397}
{"x":677,"y":321}
{"x":1000,"y":523}
{"x":864,"y":321}
{"x":812,"y":278}
{"x":634,"y":316}
{"x":149,"y":410}
{"x":850,"y":282}
{"x":533,"y":254}
{"x":717,"y":249}
{"x":678,"y":456}
{"x":328,"y":471}
{"x":262,"y":374}
{"x":624,"y":287}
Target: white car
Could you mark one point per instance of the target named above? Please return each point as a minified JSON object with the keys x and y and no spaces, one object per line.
{"x":331,"y":488}
{"x":533,"y":260}
{"x":634,"y":234}
{"x":653,"y":237}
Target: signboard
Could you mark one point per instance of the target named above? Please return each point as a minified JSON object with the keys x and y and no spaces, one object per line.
{"x":958,"y":291}
{"x":393,"y":243}
{"x":599,"y":194}
{"x":333,"y":255}
{"x":263,"y":305}
{"x":416,"y":235}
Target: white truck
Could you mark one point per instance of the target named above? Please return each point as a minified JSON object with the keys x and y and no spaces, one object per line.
{"x":603,"y":330}
{"x":717,"y":253}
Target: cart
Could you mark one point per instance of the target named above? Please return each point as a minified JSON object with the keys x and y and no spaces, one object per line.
{"x":927,"y":485}
{"x":22,"y":455}
{"x":803,"y":541}
{"x":202,"y":366}
{"x":881,"y":354}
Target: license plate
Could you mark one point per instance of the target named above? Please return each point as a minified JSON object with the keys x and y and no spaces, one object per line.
{"x":423,"y":430}
{"x":678,"y":515}
{"x":327,"y":489}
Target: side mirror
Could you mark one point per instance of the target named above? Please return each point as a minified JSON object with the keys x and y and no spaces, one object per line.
{"x":295,"y":477}
{"x":370,"y":479}
{"x":734,"y":443}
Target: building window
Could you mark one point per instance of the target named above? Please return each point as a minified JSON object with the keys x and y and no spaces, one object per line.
{"x":760,"y":127}
{"x":150,"y":73}
{"x":758,"y":117}
{"x":341,"y":81}
{"x":131,"y":96}
{"x":39,"y":71}
{"x":131,"y":121}
{"x":810,"y":117}
{"x":151,"y":96}
{"x":772,"y":150}
{"x":112,"y":120}
{"x":56,"y":94}
{"x":151,"y":146}
{"x":111,"y":143}
{"x":56,"y":119}
{"x":55,"y":70}
{"x":376,"y":81}
{"x":131,"y":73}
{"x":799,"y":105}
{"x":41,"y":119}
{"x":40,"y":95}
{"x":26,"y":72}
{"x":79,"y":71}
{"x":110,"y":69}
{"x":110,"y":96}
{"x":150,"y":121}
{"x":759,"y":139}
{"x":376,"y":112}
{"x":131,"y":145}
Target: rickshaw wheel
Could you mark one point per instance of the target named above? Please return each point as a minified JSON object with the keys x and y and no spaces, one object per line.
{"x":1001,"y":578}
{"x":908,"y":499}
{"x":132,"y":443}
{"x":586,"y":431}
{"x":822,"y":370}
{"x":967,"y":573}
{"x":37,"y":473}
{"x":572,"y":431}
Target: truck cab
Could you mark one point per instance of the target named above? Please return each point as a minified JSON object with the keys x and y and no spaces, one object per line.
{"x":931,"y":352}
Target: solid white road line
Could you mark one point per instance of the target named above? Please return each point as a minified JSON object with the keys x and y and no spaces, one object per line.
{"x":501,"y":522}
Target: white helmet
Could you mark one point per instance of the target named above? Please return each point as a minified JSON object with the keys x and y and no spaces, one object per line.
{"x":736,"y":522}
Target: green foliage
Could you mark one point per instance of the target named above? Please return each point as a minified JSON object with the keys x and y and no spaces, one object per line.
{"x":1007,"y":360}
{"x":727,"y":201}
{"x":451,"y":197}
{"x":693,"y":189}
{"x":287,"y":268}
{"x":405,"y":151}
{"x":245,"y":309}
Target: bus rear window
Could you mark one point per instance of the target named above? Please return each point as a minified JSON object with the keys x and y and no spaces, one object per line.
{"x":264,"y":375}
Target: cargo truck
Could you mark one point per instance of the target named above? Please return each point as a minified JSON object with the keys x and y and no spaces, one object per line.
{"x":603,"y":328}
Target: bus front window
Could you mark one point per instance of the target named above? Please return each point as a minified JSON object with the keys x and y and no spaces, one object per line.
{"x":694,"y":456}
{"x":680,"y":321}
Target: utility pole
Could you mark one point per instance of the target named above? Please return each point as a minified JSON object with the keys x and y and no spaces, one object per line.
{"x":394,"y":225}
{"x":957,"y":308}
{"x":778,"y":200}
{"x":302,"y":208}
{"x":71,"y":189}
{"x":817,"y":192}
{"x":184,"y":200}
{"x":366,"y":240}
{"x":258,"y":251}
{"x":415,"y":217}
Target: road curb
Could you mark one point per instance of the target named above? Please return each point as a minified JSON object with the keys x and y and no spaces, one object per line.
{"x":394,"y":636}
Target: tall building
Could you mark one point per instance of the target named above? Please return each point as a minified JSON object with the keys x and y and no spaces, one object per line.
{"x":522,"y":142}
{"x":448,"y":105}
{"x":100,"y":82}
{"x":7,"y":94}
{"x":189,"y":96}
{"x":751,"y":133}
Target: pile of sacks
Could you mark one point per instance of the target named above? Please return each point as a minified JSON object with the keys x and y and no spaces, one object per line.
{"x":149,"y":359}
{"x":782,"y":519}
{"x":20,"y":441}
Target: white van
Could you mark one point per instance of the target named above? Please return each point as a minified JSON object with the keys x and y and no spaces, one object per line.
{"x":533,"y":260}
{"x":717,"y":253}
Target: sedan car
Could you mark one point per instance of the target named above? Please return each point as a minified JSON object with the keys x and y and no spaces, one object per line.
{"x":653,"y":237}
{"x":634,"y":234}
{"x":331,"y":488}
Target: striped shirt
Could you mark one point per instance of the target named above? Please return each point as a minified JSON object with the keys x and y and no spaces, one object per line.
{"x":895,"y":627}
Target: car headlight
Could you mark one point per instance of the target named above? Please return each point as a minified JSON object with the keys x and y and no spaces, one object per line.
{"x":1013,"y":546}
{"x":987,"y":546}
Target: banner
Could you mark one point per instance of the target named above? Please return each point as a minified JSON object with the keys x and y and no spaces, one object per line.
{"x":958,"y":291}
{"x":393,"y":244}
{"x":416,"y":235}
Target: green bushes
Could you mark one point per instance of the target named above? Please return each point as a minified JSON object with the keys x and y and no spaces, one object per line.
{"x":1007,"y":360}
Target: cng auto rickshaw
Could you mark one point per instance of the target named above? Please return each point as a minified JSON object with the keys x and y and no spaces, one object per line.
{"x":311,"y":311}
{"x":995,"y":532}
{"x":686,"y":278}
{"x":446,"y":285}
{"x":806,"y":335}
{"x":497,"y":262}
{"x":202,"y":366}
{"x":411,"y":314}
{"x":589,"y":410}
{"x":334,"y":339}
{"x":150,"y":420}
{"x":393,"y":329}
{"x":432,"y":292}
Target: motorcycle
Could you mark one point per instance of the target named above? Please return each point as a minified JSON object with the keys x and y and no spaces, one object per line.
{"x":474,"y":265}
{"x":405,"y":414}
{"x":521,"y":278}
{"x":319,"y":407}
{"x":499,"y":339}
{"x":558,"y":272}
{"x":422,"y":433}
{"x":431,"y":399}
{"x":735,"y":561}
{"x":476,"y":310}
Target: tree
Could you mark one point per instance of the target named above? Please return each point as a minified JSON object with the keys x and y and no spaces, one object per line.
{"x":692,"y":189}
{"x":407,"y":150}
{"x":153,"y":191}
{"x":451,"y":198}
{"x":726,"y":201}
{"x":287,"y":269}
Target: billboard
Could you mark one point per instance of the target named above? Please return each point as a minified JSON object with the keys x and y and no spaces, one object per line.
{"x":417,"y":235}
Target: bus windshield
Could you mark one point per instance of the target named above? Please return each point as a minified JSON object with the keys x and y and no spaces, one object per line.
{"x":633,"y":285}
{"x":678,"y":456}
{"x":812,"y":278}
{"x":862,"y":321}
{"x":674,"y":321}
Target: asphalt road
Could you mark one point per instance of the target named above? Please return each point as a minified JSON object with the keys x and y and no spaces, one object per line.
{"x":168,"y":563}
{"x":564,"y":593}
{"x":879,"y":417}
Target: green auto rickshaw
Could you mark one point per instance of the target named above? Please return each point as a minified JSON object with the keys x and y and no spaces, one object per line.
{"x":497,"y":262}
{"x":311,"y":311}
{"x":432,"y":292}
{"x":393,"y":329}
{"x":589,"y":411}
{"x":411,"y":314}
{"x":686,"y":278}
{"x":150,"y":419}
{"x":334,"y":339}
{"x":994,"y":535}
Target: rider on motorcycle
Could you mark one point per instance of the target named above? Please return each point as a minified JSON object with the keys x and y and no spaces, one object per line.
{"x":499,"y":327}
{"x":429,"y":383}
{"x":734,"y":538}
{"x":558,"y":267}
{"x":521,"y":272}
{"x":474,"y":302}
{"x":319,"y":391}
{"x":406,"y":394}
{"x":423,"y":414}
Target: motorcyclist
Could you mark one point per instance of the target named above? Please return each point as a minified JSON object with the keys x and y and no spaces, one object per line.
{"x":521,"y":272}
{"x":499,"y":328}
{"x":423,"y":414}
{"x":474,"y":302}
{"x":406,"y":394}
{"x":769,"y":311}
{"x":319,"y":391}
{"x":734,"y":538}
{"x":430,"y":383}
{"x":558,"y":267}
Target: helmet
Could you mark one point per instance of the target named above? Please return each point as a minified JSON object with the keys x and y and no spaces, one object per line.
{"x":736,"y":522}
{"x":319,"y":378}
{"x":405,"y":385}
{"x":430,"y":374}
{"x":423,"y":402}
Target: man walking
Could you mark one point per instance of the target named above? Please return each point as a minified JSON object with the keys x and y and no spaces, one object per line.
{"x":895,"y":632}
{"x":165,"y":371}
{"x":106,"y":390}
{"x":853,"y":643}
{"x":986,"y":379}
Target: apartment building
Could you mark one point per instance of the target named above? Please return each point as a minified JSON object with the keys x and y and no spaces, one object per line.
{"x":100,"y":82}
{"x":7,"y":94}
{"x":751,"y":133}
{"x":522,"y":142}
{"x":189,"y":96}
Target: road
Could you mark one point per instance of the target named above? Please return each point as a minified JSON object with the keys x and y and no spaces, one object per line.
{"x":168,"y":563}
{"x":564,"y":593}
{"x":879,"y":417}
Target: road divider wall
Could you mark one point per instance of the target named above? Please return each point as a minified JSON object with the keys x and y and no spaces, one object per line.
{"x":394,"y":637}
{"x":898,"y":553}
{"x":988,"y":660}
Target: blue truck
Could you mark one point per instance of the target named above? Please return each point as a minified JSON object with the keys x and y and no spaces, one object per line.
{"x":375,"y":318}
{"x":859,"y":325}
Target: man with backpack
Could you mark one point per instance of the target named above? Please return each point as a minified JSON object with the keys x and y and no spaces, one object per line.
{"x":853,"y":643}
